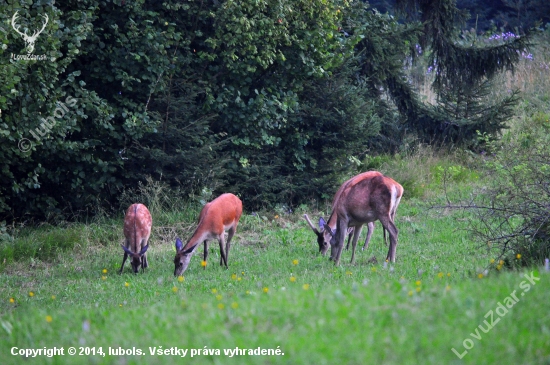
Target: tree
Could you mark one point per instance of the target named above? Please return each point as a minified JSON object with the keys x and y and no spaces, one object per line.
{"x":463,"y":70}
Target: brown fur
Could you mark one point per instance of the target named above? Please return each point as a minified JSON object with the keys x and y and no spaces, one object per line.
{"x":137,"y":229}
{"x":362,"y":199}
{"x":221,"y":214}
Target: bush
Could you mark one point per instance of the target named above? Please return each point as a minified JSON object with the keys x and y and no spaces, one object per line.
{"x":44,"y":245}
{"x":513,"y":213}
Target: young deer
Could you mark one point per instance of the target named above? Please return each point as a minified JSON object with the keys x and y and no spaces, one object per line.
{"x":137,"y":229}
{"x":363,"y":199}
{"x":221,"y":214}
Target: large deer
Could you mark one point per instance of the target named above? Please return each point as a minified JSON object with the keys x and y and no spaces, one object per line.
{"x":137,"y":229}
{"x":29,"y":39}
{"x":363,"y":199}
{"x":220,"y":215}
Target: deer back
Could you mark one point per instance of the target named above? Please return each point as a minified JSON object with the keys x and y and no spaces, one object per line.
{"x":367,"y":198}
{"x":137,"y":227}
{"x":215,"y":218}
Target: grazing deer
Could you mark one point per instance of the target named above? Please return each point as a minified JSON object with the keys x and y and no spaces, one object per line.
{"x":137,"y":229}
{"x":323,"y":237}
{"x":29,"y":39}
{"x":363,"y":199}
{"x":220,"y":215}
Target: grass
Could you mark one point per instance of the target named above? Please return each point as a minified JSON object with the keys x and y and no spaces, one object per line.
{"x":278,"y":293}
{"x":59,"y":286}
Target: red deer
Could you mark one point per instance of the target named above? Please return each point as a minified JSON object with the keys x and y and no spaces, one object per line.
{"x":363,"y":199}
{"x":137,"y":229}
{"x":220,"y":215}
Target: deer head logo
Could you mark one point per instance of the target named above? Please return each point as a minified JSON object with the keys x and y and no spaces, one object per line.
{"x":29,"y":39}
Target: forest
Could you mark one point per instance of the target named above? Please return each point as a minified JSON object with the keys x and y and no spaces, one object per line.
{"x":272,"y":100}
{"x":419,"y":129}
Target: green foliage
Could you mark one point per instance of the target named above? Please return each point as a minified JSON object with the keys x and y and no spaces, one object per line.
{"x":463,"y":69}
{"x":44,"y":245}
{"x":308,"y":317}
{"x":273,"y":101}
{"x":512,"y":213}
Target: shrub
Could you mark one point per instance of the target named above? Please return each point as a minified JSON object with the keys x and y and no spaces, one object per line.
{"x":44,"y":245}
{"x":512,"y":215}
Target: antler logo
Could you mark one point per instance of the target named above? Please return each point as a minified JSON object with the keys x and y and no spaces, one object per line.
{"x":29,"y":40}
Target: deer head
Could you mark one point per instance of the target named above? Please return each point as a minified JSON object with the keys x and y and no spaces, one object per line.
{"x":137,"y":258}
{"x":29,"y":40}
{"x":324,"y":234}
{"x":183,"y":257}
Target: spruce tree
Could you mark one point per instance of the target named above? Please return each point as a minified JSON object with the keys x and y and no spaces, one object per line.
{"x":463,"y":71}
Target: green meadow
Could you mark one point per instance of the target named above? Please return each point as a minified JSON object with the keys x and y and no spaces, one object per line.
{"x":279,"y":296}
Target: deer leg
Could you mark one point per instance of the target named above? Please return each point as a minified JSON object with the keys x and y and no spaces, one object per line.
{"x":356,"y":234}
{"x":144,"y":261}
{"x":341,"y":230}
{"x":205,"y":255}
{"x":123,"y":262}
{"x":230,"y":234}
{"x":388,"y":224}
{"x":223,"y":259}
{"x":370,"y":231}
{"x":351,"y":232}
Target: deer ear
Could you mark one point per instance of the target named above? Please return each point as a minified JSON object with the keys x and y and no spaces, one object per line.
{"x":179,"y":245}
{"x":143,"y":250}
{"x":327,"y":229}
{"x":126,"y":249}
{"x":190,"y":250}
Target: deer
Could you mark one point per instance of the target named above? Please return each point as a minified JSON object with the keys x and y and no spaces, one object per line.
{"x":29,"y":40}
{"x":363,"y":199}
{"x":220,"y":215}
{"x":323,"y":238}
{"x":137,"y":229}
